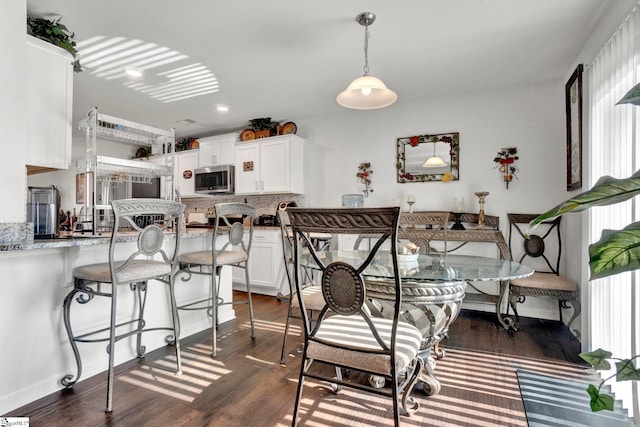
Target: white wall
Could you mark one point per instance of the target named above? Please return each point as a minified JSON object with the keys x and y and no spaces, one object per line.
{"x":531,"y":118}
{"x":12,"y":111}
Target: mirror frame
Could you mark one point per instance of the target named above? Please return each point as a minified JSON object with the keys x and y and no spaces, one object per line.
{"x":451,"y":138}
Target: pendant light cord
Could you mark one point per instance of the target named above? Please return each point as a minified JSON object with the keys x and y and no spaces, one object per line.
{"x":366,"y":50}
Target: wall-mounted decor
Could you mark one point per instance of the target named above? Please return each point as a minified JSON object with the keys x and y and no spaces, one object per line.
{"x":573,"y":105}
{"x":364,"y":172}
{"x":506,"y":163}
{"x":424,"y":158}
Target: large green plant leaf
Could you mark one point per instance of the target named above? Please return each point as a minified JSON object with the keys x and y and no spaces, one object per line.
{"x":607,"y":191}
{"x":615,"y":252}
{"x":599,"y":401}
{"x":597,"y":358}
{"x":626,"y":371}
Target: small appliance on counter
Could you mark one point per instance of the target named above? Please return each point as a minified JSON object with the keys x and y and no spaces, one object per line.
{"x":42,"y":211}
{"x":267,"y":220}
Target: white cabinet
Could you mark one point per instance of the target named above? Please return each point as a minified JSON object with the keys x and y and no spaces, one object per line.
{"x":266,"y":270}
{"x":49,"y":104}
{"x":186,"y":162}
{"x":185,"y":178}
{"x":217,"y":150}
{"x":270,"y":165}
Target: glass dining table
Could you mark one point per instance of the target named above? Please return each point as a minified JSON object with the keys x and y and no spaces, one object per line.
{"x":433,"y":289}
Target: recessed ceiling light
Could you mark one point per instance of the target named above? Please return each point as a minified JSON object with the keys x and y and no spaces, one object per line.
{"x":133,"y":72}
{"x":186,"y":122}
{"x":222,"y":108}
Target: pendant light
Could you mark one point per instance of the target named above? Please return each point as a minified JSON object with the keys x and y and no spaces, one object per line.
{"x":434,"y":161}
{"x":366,"y":92}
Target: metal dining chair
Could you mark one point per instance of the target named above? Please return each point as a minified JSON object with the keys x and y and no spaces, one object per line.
{"x":542,"y":252}
{"x":230,"y":246}
{"x":345,"y":334}
{"x":141,"y":250}
{"x":311,"y":294}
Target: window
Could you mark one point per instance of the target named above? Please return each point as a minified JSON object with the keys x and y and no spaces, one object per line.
{"x":613,"y":302}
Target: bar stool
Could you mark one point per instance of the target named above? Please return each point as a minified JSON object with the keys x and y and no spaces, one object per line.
{"x":228,"y":233}
{"x":139,"y":251}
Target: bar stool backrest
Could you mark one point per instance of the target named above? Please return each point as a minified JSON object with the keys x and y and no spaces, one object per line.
{"x":230,"y":222}
{"x":150,"y":220}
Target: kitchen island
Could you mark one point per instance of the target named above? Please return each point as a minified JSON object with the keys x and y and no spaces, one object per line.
{"x":36,"y":276}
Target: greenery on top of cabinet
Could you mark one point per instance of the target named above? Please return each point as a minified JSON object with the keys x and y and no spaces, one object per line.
{"x":55,"y":33}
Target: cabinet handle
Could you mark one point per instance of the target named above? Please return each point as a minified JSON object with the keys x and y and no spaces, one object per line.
{"x":261,"y":185}
{"x":257,"y":186}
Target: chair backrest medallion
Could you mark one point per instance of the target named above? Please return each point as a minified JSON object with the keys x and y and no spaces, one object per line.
{"x":150,"y":219}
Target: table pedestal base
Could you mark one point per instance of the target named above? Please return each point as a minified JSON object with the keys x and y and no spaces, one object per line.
{"x":431,"y":307}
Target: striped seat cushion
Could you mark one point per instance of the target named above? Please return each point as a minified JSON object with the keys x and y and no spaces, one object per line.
{"x":136,"y":271}
{"x":206,"y":258}
{"x":354,"y":331}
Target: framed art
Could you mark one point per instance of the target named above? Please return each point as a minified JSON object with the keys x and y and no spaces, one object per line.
{"x":573,"y":100}
{"x":81,"y":185}
{"x":414,"y":155}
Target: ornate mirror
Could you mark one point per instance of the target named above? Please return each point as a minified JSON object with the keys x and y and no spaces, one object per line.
{"x":423,"y":158}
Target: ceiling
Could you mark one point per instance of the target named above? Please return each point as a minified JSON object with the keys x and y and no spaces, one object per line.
{"x":288,"y":59}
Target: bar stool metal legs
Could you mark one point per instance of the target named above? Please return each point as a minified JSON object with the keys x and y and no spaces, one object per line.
{"x":144,"y":255}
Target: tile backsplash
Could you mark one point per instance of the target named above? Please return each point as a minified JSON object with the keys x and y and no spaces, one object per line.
{"x":264,"y":204}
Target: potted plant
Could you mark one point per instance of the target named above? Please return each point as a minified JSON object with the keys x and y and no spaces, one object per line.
{"x":55,"y":33}
{"x":617,"y":251}
{"x":263,"y":127}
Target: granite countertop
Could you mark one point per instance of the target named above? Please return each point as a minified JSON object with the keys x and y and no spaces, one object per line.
{"x":86,"y":240}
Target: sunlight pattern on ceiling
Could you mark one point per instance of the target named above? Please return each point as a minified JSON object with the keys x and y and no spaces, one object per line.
{"x":168,"y":74}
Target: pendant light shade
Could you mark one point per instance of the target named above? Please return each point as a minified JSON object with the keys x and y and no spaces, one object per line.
{"x":366,"y":92}
{"x":434,"y":161}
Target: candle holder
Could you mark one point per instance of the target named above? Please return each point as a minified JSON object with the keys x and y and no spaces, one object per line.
{"x":458,"y":208}
{"x":457,"y":225}
{"x":481,"y":195}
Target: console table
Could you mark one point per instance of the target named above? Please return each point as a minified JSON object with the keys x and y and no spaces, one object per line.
{"x":412,"y":228}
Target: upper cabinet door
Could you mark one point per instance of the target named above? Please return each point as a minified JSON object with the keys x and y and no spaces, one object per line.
{"x":270,"y":165}
{"x":186,"y":164}
{"x":247,"y":168}
{"x":49,"y":105}
{"x":275,"y":176}
{"x":217,"y":150}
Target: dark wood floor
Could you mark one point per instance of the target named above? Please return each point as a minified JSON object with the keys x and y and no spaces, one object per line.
{"x":246,"y":386}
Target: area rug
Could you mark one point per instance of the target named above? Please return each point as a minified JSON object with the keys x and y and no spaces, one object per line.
{"x":551,"y":402}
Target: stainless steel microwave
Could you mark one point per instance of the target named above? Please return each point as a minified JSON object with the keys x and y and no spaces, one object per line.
{"x":215,"y":179}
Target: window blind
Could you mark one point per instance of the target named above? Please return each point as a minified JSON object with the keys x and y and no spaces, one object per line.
{"x":613,"y":301}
